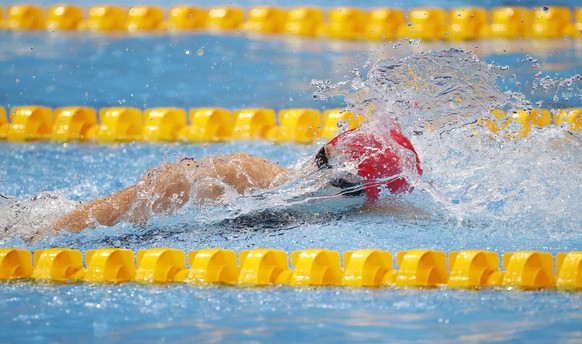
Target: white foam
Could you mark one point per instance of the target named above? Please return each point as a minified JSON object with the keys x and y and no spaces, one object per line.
{"x":23,"y":219}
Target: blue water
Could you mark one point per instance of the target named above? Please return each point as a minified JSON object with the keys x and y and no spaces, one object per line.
{"x":275,"y":72}
{"x":182,"y":313}
{"x":237,"y":72}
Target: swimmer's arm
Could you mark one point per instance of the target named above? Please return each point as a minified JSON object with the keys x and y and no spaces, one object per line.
{"x":104,"y":211}
{"x":172,"y":187}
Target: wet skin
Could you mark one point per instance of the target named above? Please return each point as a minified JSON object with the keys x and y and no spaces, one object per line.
{"x":166,"y":188}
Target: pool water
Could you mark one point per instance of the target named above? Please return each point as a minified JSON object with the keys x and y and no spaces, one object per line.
{"x":477,"y":192}
{"x":184,"y":313}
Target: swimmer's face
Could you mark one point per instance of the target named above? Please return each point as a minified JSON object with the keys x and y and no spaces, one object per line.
{"x":324,"y":155}
{"x":349,"y":183}
{"x":322,"y":158}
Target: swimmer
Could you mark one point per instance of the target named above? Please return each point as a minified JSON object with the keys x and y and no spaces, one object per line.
{"x":369,"y":163}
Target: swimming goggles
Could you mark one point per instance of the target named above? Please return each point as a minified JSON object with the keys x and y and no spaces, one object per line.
{"x":349,"y":189}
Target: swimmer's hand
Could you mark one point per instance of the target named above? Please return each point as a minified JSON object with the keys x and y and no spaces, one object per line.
{"x":104,"y":211}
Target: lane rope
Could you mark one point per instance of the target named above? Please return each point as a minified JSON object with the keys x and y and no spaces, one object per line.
{"x":352,"y":23}
{"x":364,"y":268}
{"x":203,"y":125}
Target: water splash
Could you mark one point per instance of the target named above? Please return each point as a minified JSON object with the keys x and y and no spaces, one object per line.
{"x":24,"y":218}
{"x":471,"y":175}
{"x":433,"y":90}
{"x":438,"y":98}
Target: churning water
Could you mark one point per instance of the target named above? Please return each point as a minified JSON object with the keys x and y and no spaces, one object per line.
{"x":439,"y":99}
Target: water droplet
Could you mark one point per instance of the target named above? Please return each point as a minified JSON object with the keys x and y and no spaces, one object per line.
{"x":410,"y":24}
{"x":200,"y":51}
{"x":414,"y":42}
{"x":342,"y":125}
{"x":186,"y":51}
{"x":546,"y":9}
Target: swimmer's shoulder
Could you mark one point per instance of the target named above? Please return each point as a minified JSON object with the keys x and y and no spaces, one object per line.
{"x":257,"y":167}
{"x":243,"y":157}
{"x":238,"y":161}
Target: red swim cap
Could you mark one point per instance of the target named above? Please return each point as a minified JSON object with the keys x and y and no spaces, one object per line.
{"x":377,"y":158}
